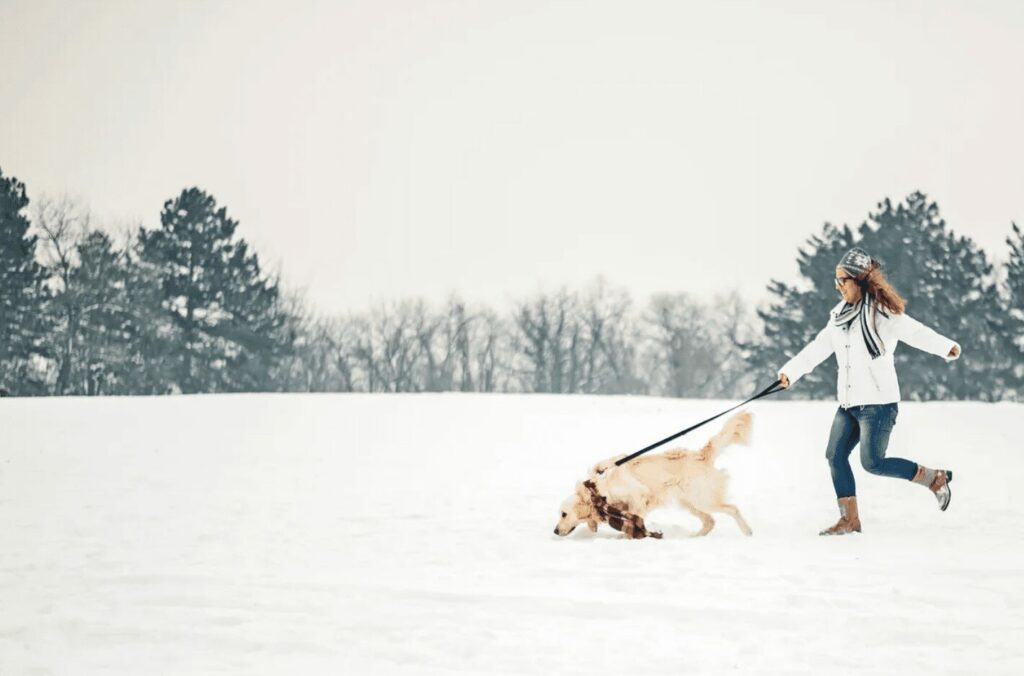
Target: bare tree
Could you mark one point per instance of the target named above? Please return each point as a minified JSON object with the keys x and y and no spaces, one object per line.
{"x":297,"y":370}
{"x":389,"y":348}
{"x":62,"y":223}
{"x":610,"y":342}
{"x":569,"y":342}
{"x":547,"y":339}
{"x":344,"y":345}
{"x":446,"y":346}
{"x":492,"y":353}
{"x":738,"y":326}
{"x":680,"y":350}
{"x":693,"y":349}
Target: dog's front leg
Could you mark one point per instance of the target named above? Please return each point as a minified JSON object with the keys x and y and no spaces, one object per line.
{"x":706,"y":521}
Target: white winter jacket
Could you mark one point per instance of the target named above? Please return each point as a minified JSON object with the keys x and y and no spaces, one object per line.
{"x":863,"y":380}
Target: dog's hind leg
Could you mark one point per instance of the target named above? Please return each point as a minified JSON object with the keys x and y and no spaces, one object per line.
{"x":734,"y":512}
{"x":706,"y":520}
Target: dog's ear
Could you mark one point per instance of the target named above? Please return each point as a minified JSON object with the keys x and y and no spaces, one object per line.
{"x":584,"y":501}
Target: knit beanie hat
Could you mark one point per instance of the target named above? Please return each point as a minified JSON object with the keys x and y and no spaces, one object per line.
{"x":856,"y":261}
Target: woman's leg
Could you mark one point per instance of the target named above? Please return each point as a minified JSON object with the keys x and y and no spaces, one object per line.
{"x":876,"y":423}
{"x":841,"y":440}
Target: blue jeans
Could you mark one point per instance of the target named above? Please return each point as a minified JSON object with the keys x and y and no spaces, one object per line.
{"x":869,"y":425}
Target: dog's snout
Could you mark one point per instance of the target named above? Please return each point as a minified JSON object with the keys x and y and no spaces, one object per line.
{"x":556,"y":531}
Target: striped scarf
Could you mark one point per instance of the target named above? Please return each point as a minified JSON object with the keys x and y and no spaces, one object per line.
{"x":619,"y":519}
{"x":863,"y":312}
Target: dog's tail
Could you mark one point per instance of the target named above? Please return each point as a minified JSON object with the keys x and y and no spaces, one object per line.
{"x":735,"y":431}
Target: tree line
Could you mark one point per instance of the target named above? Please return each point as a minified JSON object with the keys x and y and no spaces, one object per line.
{"x":187,"y":308}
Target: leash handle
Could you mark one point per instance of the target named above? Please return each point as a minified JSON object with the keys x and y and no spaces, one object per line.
{"x":771,"y":389}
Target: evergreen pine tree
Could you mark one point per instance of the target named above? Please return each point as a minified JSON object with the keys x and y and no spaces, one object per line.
{"x":154,"y":337}
{"x":108,"y":322}
{"x":1014,"y":335}
{"x":21,"y":290}
{"x":224,"y":308}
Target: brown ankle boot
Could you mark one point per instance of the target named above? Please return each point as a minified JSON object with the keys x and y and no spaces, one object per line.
{"x":937,"y":481}
{"x":849,"y":518}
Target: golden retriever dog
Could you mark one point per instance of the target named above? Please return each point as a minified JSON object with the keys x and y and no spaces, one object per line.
{"x":688,"y":478}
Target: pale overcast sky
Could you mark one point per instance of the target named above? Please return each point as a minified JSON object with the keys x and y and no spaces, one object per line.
{"x":376,"y":150}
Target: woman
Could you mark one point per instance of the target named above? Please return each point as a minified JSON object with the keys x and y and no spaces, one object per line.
{"x":863,"y":331}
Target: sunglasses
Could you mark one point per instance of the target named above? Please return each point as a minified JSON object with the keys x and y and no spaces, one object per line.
{"x":842,"y":280}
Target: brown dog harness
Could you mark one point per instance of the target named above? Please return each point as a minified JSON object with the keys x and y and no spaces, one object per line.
{"x":630,"y":524}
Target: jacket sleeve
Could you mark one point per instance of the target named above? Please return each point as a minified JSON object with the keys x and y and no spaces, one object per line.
{"x":916,"y":334}
{"x":815,"y":352}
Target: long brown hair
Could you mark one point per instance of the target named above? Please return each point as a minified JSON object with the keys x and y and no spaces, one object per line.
{"x":874,"y":282}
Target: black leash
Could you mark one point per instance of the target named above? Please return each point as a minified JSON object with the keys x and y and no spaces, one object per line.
{"x":771,"y":389}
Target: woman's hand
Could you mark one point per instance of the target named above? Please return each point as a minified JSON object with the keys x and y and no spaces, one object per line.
{"x":784,"y":380}
{"x":954,"y":351}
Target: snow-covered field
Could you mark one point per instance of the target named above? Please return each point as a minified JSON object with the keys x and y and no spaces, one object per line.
{"x":412,"y":534}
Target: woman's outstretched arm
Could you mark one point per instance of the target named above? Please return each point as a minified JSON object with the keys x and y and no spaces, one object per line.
{"x":815,"y":352}
{"x":916,"y":334}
